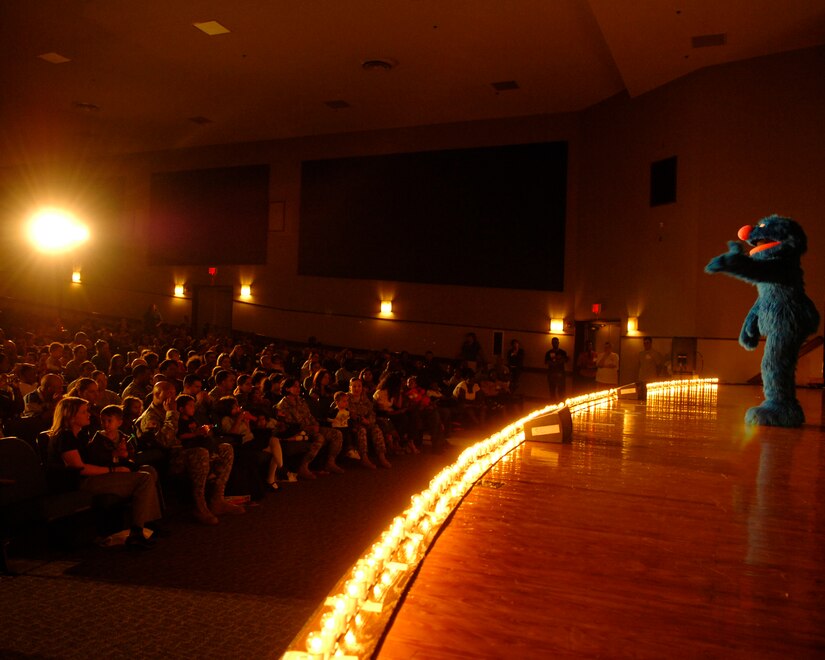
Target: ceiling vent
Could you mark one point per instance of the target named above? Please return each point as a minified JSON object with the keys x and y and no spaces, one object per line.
{"x":379,"y":64}
{"x":505,"y":85}
{"x":338,"y":104}
{"x":708,"y":40}
{"x":54,"y":58}
{"x":86,"y":107}
{"x":200,"y":120}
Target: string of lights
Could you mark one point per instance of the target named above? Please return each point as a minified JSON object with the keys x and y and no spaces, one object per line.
{"x":351,"y":620}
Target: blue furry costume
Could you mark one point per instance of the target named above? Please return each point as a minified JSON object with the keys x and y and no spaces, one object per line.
{"x":782,"y":312}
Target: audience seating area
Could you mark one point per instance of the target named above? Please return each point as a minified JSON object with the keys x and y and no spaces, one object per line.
{"x":420,"y":404}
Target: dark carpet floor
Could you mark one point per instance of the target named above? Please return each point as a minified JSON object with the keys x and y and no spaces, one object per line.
{"x":242,"y":589}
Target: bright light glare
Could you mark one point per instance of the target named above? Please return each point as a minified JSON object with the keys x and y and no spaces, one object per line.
{"x":56,"y":230}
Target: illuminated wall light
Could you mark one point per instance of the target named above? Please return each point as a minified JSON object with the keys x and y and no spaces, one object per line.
{"x":76,"y":278}
{"x":386,"y":307}
{"x":557,"y":326}
{"x":179,"y":291}
{"x":246,"y":291}
{"x":632,"y":324}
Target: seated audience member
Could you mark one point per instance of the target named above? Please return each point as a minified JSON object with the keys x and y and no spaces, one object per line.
{"x":11,"y":400}
{"x":364,"y":423}
{"x":170,"y":371}
{"x":320,"y":397}
{"x":72,"y":369}
{"x":141,"y":384}
{"x":27,"y":378}
{"x":106,"y":396}
{"x":132,"y":409}
{"x":159,"y":423}
{"x":367,"y":378}
{"x":43,"y":401}
{"x":152,"y":360}
{"x":243,"y":387}
{"x":103,"y":355}
{"x":295,"y":410}
{"x":470,"y":399}
{"x":54,"y":363}
{"x":390,"y":404}
{"x":338,"y":417}
{"x":253,"y":436}
{"x":69,"y":440}
{"x":307,"y":369}
{"x":193,"y":386}
{"x":111,"y":447}
{"x":87,"y":389}
{"x":344,"y":373}
{"x":424,"y":414}
{"x":224,"y":386}
{"x":81,"y":338}
{"x":116,"y":372}
{"x":87,"y":369}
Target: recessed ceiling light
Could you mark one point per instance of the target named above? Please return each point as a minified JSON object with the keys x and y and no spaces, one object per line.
{"x":211,"y":28}
{"x":378,"y":64}
{"x":54,"y":58}
{"x":709,"y":40}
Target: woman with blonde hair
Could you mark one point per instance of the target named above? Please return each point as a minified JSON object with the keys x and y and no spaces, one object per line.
{"x":68,"y":442}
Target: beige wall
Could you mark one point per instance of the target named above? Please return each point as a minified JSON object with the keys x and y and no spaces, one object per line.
{"x":749,"y":139}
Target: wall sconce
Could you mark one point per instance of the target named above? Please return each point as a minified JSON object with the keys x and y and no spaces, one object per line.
{"x":76,"y":278}
{"x":386,"y":308}
{"x":596,"y":308}
{"x":632,"y":325}
{"x":246,"y":291}
{"x":179,"y":291}
{"x":557,"y":326}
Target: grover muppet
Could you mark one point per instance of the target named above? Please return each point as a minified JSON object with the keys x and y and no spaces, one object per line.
{"x":782,"y":312}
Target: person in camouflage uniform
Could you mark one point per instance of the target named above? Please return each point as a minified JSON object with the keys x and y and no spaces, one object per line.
{"x":295,"y":410}
{"x":363,"y":418}
{"x":159,"y":424}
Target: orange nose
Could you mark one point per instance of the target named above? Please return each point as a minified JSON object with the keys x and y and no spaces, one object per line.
{"x":744,"y":232}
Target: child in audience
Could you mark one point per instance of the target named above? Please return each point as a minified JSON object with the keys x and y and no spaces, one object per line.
{"x":236,"y":421}
{"x":132,"y":409}
{"x":110,"y":446}
{"x":339,"y":418}
{"x":190,"y":432}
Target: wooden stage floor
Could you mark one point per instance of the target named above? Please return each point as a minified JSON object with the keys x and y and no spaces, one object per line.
{"x":667,"y":529}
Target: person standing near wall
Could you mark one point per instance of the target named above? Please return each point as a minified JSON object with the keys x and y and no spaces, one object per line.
{"x":515,"y":363}
{"x":607,"y":367}
{"x":651,"y":362}
{"x":555,"y":359}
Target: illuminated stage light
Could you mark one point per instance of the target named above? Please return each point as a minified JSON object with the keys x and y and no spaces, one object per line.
{"x":55,"y":230}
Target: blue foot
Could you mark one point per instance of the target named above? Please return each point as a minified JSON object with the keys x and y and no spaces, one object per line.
{"x":775,"y":413}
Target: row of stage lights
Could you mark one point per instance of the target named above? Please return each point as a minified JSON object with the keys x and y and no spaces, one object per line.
{"x":352,"y":618}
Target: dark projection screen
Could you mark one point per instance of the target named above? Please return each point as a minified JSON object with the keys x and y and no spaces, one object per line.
{"x":209,"y":217}
{"x":490,"y":217}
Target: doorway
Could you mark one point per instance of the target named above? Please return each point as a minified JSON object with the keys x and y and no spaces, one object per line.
{"x":212,"y":310}
{"x":598,"y":331}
